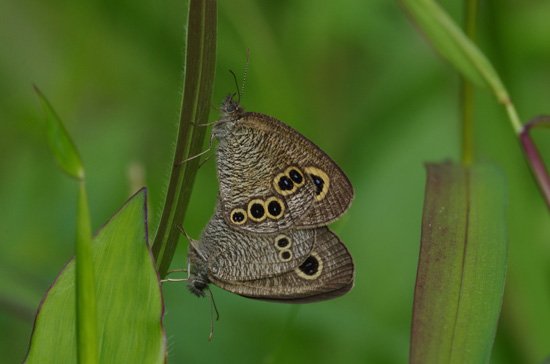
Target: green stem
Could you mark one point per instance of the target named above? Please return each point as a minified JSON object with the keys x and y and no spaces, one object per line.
{"x":197,"y":93}
{"x":467,"y":89}
{"x":513,"y":115}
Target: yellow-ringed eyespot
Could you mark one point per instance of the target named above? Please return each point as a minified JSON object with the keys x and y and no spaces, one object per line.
{"x":238,"y":216}
{"x":295,"y":175}
{"x":283,"y":184}
{"x":311,"y":268}
{"x":275,"y":208}
{"x":256,"y":210}
{"x":320,"y":180}
{"x":285,"y":255}
{"x":282,"y":242}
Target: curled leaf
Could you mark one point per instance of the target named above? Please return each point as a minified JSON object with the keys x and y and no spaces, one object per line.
{"x":462,"y":265}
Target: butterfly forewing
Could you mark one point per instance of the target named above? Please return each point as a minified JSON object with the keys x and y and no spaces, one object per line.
{"x":272,"y":178}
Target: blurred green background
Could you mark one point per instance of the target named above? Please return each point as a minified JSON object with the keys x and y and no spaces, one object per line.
{"x":356,"y":77}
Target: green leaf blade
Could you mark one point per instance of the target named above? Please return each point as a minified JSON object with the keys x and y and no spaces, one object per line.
{"x":451,"y":42}
{"x":86,"y":308}
{"x":129,"y":300}
{"x":59,"y":142}
{"x":462,"y":265}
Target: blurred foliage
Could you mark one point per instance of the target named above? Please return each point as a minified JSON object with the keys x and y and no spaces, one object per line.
{"x":356,"y":78}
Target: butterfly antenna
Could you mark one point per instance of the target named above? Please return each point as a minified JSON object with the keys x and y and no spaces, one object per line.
{"x":236,"y":84}
{"x":245,"y":70}
{"x":244,"y":77}
{"x":212,"y":308}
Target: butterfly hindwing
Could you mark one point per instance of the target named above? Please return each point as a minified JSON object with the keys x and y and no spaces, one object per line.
{"x":234,"y":255}
{"x":327,"y":272}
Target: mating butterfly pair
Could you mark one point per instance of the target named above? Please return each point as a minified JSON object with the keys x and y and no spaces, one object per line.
{"x":268,"y":238}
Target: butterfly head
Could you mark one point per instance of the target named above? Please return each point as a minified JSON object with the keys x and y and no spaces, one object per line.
{"x":197,"y":286}
{"x":230,"y":107}
{"x":231,"y":112}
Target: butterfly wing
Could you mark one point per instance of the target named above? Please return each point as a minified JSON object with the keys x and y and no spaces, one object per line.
{"x":235,"y":255}
{"x":327,"y":272}
{"x":272,"y":177}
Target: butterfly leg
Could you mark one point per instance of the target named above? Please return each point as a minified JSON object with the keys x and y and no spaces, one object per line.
{"x":194,"y":243}
{"x":206,"y":159}
{"x":176,"y":279}
{"x":212,"y":123}
{"x":198,"y":155}
{"x":179,"y":270}
{"x":176,"y":271}
{"x":173,"y":280}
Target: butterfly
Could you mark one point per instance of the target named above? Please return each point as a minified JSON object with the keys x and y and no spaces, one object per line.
{"x":291,"y":266}
{"x":272,"y":177}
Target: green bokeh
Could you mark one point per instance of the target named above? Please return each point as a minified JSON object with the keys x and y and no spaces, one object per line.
{"x":355,"y":77}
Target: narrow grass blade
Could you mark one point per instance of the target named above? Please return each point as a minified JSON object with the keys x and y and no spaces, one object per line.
{"x":86,"y":312}
{"x":129,"y":300}
{"x":59,"y":142}
{"x":64,"y":152}
{"x":451,"y":42}
{"x":462,"y":265}
{"x":197,"y":94}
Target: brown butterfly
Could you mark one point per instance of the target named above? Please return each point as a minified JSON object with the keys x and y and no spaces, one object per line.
{"x":291,"y":266}
{"x":272,"y":177}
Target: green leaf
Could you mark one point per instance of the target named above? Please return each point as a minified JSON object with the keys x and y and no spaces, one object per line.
{"x":129,"y":300}
{"x":60,"y":144}
{"x":462,"y":265}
